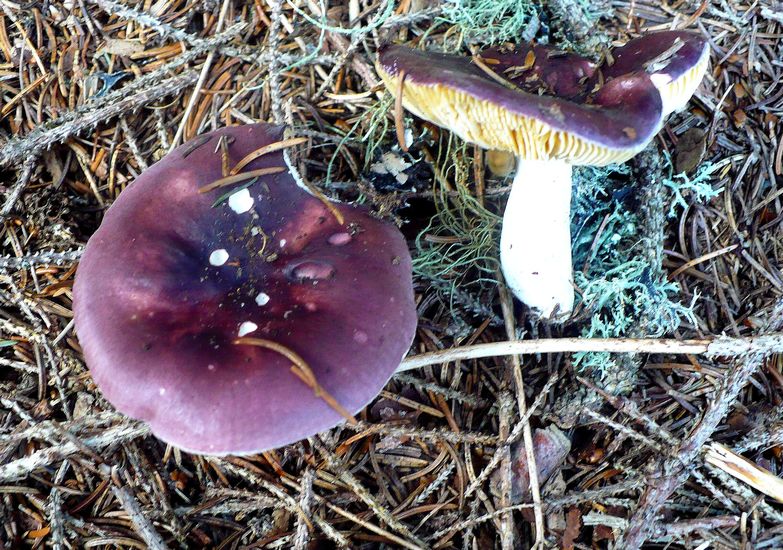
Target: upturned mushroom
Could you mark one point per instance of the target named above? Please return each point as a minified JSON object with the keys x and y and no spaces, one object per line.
{"x":553,"y":111}
{"x":234,"y":311}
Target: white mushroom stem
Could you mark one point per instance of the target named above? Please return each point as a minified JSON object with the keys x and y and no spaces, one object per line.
{"x":535,"y":244}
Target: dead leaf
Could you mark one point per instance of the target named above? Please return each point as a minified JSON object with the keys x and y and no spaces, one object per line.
{"x":573,"y":527}
{"x":689,"y":150}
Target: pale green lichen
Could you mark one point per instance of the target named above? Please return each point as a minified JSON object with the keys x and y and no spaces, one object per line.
{"x":378,"y":126}
{"x":698,"y":187}
{"x":493,"y":21}
{"x":458,"y":249}
{"x":624,"y":293}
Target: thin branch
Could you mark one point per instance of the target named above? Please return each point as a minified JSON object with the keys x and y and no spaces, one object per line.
{"x":672,"y":471}
{"x":80,"y":120}
{"x":19,"y":187}
{"x":715,"y":347}
{"x":140,"y":522}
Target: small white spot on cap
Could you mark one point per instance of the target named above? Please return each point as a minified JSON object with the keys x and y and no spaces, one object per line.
{"x":282,"y":243}
{"x":247,"y":327}
{"x":162,"y":391}
{"x":262,"y":299}
{"x":210,"y":367}
{"x":241,"y":201}
{"x":218,"y":257}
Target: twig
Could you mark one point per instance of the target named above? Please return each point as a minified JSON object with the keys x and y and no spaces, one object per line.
{"x":716,"y":347}
{"x":41,"y":258}
{"x":16,"y":191}
{"x":345,"y":475}
{"x":81,"y":119}
{"x":140,"y":522}
{"x":595,"y":495}
{"x":670,"y":473}
{"x":743,"y":469}
{"x":303,"y":524}
{"x":527,"y":433}
{"x":144,"y":19}
{"x":274,"y":63}
{"x":512,"y":437}
{"x":115,"y":435}
{"x":684,"y":528}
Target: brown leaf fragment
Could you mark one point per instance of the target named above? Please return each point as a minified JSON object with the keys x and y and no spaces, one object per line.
{"x":573,"y":527}
{"x":689,"y":150}
{"x":530,"y":60}
{"x":550,"y":447}
{"x":740,"y":118}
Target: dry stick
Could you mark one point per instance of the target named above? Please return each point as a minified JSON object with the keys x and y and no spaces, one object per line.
{"x":671,"y":472}
{"x":45,"y":257}
{"x":130,"y":138}
{"x":716,"y":347}
{"x":558,"y":503}
{"x":144,"y":19}
{"x":201,"y":79}
{"x":55,"y":506}
{"x":144,"y":89}
{"x":470,"y":438}
{"x":686,"y":527}
{"x":512,"y":438}
{"x":344,"y":473}
{"x":745,"y":470}
{"x":303,"y":524}
{"x":115,"y":435}
{"x":275,"y":96}
{"x":19,"y":187}
{"x":285,"y":500}
{"x":140,"y":522}
{"x":527,"y":433}
{"x":81,"y":119}
{"x":506,"y":521}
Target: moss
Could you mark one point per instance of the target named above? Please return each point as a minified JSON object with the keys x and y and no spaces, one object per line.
{"x":378,"y":126}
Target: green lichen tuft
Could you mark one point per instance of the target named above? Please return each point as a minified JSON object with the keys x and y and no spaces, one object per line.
{"x":698,"y":187}
{"x":459,"y":247}
{"x":624,"y":294}
{"x":493,"y":21}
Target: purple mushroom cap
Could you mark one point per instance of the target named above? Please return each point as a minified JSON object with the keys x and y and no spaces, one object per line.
{"x":499,"y":112}
{"x":675,"y":60}
{"x":171,"y":279}
{"x":687,"y":49}
{"x":538,"y":67}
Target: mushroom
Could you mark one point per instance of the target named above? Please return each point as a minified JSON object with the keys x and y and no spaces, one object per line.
{"x":553,"y":111}
{"x":232,"y":310}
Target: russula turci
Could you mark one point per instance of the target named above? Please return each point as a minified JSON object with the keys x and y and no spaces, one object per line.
{"x":245,"y":317}
{"x":553,"y":111}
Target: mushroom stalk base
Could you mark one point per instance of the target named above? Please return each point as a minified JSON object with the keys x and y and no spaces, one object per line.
{"x":535,"y":244}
